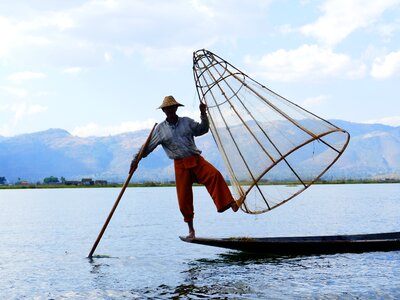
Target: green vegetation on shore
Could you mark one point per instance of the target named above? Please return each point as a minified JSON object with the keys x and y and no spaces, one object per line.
{"x":172,"y":184}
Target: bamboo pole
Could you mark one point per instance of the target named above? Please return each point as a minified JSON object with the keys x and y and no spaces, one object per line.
{"x":131,"y":171}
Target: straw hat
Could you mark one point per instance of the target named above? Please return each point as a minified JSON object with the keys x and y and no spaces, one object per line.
{"x":170,"y":101}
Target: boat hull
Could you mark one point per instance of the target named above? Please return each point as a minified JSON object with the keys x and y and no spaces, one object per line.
{"x":307,"y":244}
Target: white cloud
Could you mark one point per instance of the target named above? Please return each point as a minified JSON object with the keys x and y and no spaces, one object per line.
{"x":37,"y":40}
{"x":285,"y":29}
{"x":314,"y":101}
{"x":7,"y":36}
{"x":135,"y":35}
{"x":93,"y":129}
{"x":42,"y":94}
{"x":203,"y":8}
{"x":341,"y":17}
{"x":107,"y":57}
{"x":388,"y":30}
{"x":72,"y":70}
{"x":166,"y":58}
{"x":62,"y":20}
{"x":34,"y":31}
{"x":387,"y":66}
{"x":194,"y":114}
{"x":27,"y":75}
{"x":391,"y":121}
{"x":304,"y":63}
{"x":56,"y":36}
{"x":19,"y":92}
{"x":5,"y":130}
{"x":375,"y":134}
{"x":22,"y":110}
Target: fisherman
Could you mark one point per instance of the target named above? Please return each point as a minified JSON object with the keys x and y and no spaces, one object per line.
{"x":176,"y":135}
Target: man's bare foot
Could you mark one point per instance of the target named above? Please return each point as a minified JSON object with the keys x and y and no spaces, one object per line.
{"x":191,"y":235}
{"x":191,"y":230}
{"x":234,"y":206}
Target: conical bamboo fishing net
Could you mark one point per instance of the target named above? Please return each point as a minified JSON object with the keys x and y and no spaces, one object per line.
{"x":264,"y":139}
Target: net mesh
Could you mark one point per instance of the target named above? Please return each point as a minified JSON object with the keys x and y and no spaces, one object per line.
{"x":264,"y":139}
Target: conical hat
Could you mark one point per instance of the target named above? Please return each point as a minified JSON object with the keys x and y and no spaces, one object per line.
{"x":170,"y":101}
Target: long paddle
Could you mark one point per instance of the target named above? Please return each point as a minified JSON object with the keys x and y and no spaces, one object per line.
{"x":131,"y":171}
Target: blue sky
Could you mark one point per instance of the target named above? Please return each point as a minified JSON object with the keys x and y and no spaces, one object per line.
{"x":102,"y":67}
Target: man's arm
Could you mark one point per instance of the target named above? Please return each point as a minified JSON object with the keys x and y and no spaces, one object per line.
{"x":153,"y":143}
{"x":202,"y":127}
{"x":203,"y":109}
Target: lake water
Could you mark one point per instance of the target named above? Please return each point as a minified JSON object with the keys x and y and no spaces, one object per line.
{"x":46,"y":235}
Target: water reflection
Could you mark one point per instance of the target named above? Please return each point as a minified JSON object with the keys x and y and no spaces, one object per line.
{"x":237,"y":275}
{"x":196,"y":291}
{"x":228,"y":276}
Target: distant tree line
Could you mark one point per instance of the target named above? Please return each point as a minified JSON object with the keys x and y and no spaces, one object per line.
{"x":3,"y":180}
{"x":53,"y":180}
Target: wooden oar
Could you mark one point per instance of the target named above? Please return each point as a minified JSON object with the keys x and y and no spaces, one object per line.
{"x":131,"y":171}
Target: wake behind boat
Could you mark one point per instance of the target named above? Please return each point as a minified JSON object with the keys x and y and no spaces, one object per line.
{"x":306,"y":244}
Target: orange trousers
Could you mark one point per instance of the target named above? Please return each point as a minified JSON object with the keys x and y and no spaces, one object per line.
{"x":195,"y":169}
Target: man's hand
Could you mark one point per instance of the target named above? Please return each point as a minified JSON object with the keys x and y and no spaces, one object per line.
{"x":203,"y":108}
{"x":134,"y":162}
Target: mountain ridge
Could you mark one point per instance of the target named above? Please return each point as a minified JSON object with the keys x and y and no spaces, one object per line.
{"x":373,"y":153}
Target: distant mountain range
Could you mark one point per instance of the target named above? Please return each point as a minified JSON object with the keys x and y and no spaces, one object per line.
{"x":373,"y":153}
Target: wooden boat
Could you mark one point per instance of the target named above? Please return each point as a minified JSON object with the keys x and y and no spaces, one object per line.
{"x":306,"y":244}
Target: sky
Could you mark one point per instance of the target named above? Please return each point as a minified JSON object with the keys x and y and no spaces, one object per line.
{"x":102,"y":67}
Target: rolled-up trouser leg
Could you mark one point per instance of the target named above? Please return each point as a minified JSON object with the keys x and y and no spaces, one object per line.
{"x":208,"y":175}
{"x":183,"y":180}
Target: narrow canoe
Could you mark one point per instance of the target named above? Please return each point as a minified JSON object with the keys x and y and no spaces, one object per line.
{"x":306,"y":244}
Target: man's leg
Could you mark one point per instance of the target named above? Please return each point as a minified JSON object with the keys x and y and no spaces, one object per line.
{"x":192,"y":233}
{"x":213,"y":180}
{"x":184,"y":192}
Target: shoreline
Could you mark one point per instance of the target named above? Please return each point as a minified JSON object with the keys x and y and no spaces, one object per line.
{"x":159,"y":184}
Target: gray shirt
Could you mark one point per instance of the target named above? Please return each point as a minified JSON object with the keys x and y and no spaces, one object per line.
{"x":178,"y":139}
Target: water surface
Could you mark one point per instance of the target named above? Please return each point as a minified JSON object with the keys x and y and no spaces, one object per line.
{"x":45,"y":236}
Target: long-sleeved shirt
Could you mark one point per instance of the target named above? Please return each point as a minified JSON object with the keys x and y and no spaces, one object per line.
{"x":178,"y":139}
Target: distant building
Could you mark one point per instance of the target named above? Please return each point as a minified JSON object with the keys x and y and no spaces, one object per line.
{"x":72,"y":182}
{"x":53,"y":183}
{"x":87,"y":181}
{"x":100,"y":182}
